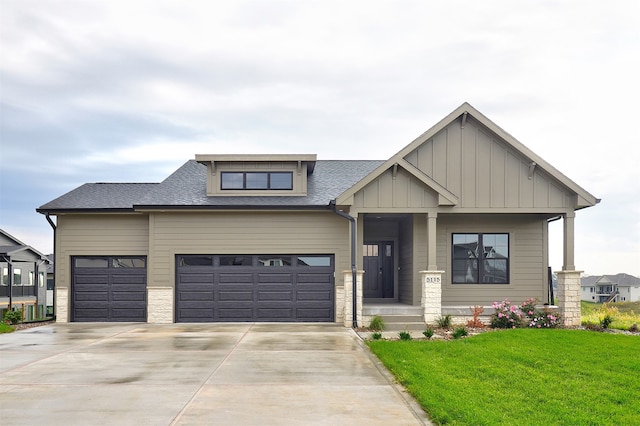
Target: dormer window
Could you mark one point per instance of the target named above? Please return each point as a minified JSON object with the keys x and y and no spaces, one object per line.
{"x":251,"y":175}
{"x":256,"y":180}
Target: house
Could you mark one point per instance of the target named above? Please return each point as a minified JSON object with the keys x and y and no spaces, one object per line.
{"x":23,"y":278}
{"x":610,"y":288}
{"x":457,"y":218}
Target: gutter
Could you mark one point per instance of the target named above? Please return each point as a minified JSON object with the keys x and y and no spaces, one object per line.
{"x":354,"y":270}
{"x":53,"y":226}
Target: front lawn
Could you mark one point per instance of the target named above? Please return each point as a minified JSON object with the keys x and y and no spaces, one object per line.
{"x":6,"y":328}
{"x":522,"y":376}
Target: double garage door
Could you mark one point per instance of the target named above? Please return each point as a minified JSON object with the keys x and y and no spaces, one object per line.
{"x":109,"y":289}
{"x":279,"y":288}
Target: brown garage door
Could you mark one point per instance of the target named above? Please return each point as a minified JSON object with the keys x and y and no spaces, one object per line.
{"x":279,"y":288}
{"x":109,"y":289}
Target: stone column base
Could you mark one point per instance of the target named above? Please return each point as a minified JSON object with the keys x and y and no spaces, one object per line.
{"x":569,"y":297}
{"x":62,"y":304}
{"x":431,"y":301}
{"x":348,"y":297}
{"x":160,"y":305}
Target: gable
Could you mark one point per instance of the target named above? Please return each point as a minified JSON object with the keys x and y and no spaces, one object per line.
{"x":484,"y":171}
{"x":475,"y":165}
{"x":395,"y":188}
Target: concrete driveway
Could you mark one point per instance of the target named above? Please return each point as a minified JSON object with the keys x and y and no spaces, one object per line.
{"x":196,"y":374}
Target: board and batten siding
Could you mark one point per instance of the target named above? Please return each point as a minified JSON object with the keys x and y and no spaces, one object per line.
{"x":527,"y":258}
{"x":485,"y":172}
{"x":244,"y":233}
{"x":403,"y":191}
{"x":98,"y":235}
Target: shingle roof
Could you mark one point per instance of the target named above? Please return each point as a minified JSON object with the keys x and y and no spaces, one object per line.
{"x":186,"y":187}
{"x":100,"y":196}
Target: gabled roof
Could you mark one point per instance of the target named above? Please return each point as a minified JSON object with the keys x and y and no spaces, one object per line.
{"x":585,"y":199}
{"x":19,"y":251}
{"x":186,"y":188}
{"x":621,"y":279}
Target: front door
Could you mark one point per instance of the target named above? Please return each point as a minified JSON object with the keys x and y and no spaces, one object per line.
{"x":378,"y":269}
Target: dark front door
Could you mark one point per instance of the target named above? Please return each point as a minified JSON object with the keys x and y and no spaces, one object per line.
{"x":378,"y":270}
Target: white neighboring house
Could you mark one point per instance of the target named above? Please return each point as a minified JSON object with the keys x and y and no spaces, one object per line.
{"x":610,"y":288}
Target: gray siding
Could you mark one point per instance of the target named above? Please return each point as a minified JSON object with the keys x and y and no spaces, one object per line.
{"x":528,"y":258}
{"x":244,"y":233}
{"x":400,"y":192}
{"x":405,"y":275}
{"x":97,"y":234}
{"x":485,"y":172}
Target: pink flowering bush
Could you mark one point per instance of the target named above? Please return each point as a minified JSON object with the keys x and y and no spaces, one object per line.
{"x":507,"y":315}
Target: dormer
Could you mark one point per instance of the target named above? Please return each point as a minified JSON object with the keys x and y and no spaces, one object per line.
{"x":257,"y":175}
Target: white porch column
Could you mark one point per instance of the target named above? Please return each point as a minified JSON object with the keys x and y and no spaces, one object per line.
{"x":569,"y":297}
{"x":160,"y":305}
{"x":431,"y":295}
{"x":432,"y":221}
{"x":348,"y":297}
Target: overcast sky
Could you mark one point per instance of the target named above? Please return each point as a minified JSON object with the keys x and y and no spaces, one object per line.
{"x":127,"y":91}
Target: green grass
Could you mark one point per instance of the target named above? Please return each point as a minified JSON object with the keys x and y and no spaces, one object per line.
{"x":5,"y":328}
{"x":624,"y":314}
{"x":522,"y":376}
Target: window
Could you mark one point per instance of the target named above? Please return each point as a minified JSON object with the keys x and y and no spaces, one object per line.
{"x":17,"y":276}
{"x":128,"y":262}
{"x":5,"y":276}
{"x":480,"y":258}
{"x":256,"y":180}
{"x":41,"y":279}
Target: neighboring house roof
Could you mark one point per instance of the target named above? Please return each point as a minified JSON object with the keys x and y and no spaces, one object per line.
{"x":622,"y":279}
{"x":18,"y":251}
{"x":185,"y":188}
{"x":584,"y":198}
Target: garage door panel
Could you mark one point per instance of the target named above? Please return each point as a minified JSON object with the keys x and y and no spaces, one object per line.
{"x":237,"y":278}
{"x":87,"y":296}
{"x":257,"y":291}
{"x":189,"y":278}
{"x":91,"y":314}
{"x":128,"y":296}
{"x":92,"y":280}
{"x":313,"y":295}
{"x":130,"y":280}
{"x":275,"y":295}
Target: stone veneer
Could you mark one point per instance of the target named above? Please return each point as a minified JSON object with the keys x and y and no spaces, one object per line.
{"x":160,"y":305}
{"x":569,"y":296}
{"x":348,"y":298}
{"x":431,"y":295}
{"x":62,"y":304}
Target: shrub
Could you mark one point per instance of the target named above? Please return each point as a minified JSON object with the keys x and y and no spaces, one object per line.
{"x":376,"y":324}
{"x":13,"y":317}
{"x":592,"y":326}
{"x":376,"y":336}
{"x":506,"y":315}
{"x":444,"y":321}
{"x":404,"y":335}
{"x":476,"y":312}
{"x":634,"y":328}
{"x":428,"y":333}
{"x":511,"y":316}
{"x":606,"y":321}
{"x":544,"y":318}
{"x":459,"y":332}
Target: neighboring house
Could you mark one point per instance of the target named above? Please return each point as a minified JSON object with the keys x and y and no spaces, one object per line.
{"x":610,"y":288}
{"x":24,"y":272}
{"x":457,"y":218}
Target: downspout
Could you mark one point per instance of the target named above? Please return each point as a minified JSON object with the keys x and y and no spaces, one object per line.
{"x":354,"y":269}
{"x":53,"y":226}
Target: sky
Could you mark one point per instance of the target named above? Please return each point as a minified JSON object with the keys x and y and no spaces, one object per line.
{"x":127,"y":91}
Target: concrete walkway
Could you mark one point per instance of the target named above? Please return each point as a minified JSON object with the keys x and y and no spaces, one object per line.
{"x":192,"y":374}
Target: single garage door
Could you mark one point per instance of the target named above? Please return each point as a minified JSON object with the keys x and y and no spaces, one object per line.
{"x":109,"y":289}
{"x":279,"y":288}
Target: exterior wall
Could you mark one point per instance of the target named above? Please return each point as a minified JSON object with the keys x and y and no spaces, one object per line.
{"x":484,"y":172}
{"x":94,"y":234}
{"x":527,"y":259}
{"x":245,"y":233}
{"x":406,"y":262}
{"x":588,"y":293}
{"x":401,"y":191}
